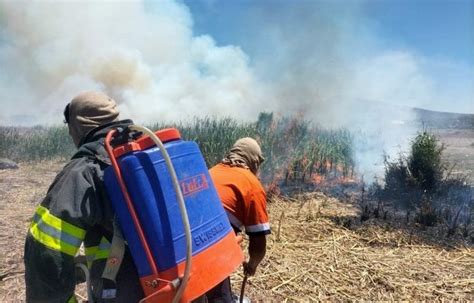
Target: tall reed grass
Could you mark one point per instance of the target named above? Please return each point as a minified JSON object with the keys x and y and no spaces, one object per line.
{"x":35,"y":143}
{"x":293,"y":147}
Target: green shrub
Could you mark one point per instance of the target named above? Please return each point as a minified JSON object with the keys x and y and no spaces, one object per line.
{"x":420,"y":173}
{"x":424,"y":163}
{"x":422,"y":181}
{"x":399,"y":184}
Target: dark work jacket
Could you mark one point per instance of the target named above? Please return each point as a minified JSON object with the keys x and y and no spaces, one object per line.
{"x":77,"y":198}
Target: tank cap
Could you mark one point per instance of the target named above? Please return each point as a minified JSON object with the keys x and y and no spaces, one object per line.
{"x":145,"y":142}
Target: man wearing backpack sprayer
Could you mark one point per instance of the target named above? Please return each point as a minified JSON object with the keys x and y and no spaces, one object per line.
{"x":244,"y":200}
{"x":76,"y":210}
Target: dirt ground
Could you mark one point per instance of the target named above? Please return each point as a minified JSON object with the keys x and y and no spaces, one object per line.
{"x":21,"y":191}
{"x":319,"y":251}
{"x":459,"y":145}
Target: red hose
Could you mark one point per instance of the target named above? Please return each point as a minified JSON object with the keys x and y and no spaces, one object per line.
{"x":128,"y":201}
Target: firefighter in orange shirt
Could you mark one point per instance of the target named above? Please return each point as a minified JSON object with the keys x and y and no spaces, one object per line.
{"x":244,"y":200}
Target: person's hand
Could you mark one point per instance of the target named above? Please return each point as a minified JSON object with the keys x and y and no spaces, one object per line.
{"x":249,"y":268}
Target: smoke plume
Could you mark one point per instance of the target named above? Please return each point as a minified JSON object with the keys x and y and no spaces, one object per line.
{"x":145,"y":57}
{"x":293,"y":58}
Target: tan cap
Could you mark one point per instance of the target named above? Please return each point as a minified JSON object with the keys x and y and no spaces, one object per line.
{"x":89,"y":110}
{"x":245,"y":151}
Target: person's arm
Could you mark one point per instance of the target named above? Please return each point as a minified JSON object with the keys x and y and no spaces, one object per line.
{"x":55,"y":235}
{"x":257,"y":250}
{"x":257,"y":226}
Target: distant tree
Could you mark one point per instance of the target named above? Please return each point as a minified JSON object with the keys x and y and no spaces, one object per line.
{"x":422,"y":181}
{"x":425,"y":164}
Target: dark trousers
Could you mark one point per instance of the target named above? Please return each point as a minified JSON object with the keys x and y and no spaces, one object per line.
{"x":221,"y":293}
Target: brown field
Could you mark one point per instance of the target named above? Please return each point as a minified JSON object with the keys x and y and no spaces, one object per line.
{"x":459,"y":145}
{"x":319,"y":250}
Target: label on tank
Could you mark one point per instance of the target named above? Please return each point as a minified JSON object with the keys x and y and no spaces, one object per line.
{"x":209,"y":234}
{"x":194,"y":184}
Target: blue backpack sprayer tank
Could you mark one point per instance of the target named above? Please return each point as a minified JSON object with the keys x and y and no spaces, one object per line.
{"x":169,"y":213}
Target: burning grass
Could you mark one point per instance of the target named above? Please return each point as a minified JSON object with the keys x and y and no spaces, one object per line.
{"x":311,"y":255}
{"x":293,"y":148}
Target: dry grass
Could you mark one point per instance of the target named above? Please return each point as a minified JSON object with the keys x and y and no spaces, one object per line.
{"x":315,"y":259}
{"x":310,"y":257}
{"x":20,"y":191}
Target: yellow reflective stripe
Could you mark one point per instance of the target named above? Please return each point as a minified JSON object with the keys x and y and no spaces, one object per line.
{"x":90,"y":254}
{"x":72,"y":299}
{"x":90,"y":251}
{"x":60,"y":224}
{"x":103,"y":249}
{"x":102,"y":254}
{"x":98,"y":252}
{"x":51,"y":242}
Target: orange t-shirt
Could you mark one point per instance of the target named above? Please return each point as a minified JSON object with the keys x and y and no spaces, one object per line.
{"x":243,"y":198}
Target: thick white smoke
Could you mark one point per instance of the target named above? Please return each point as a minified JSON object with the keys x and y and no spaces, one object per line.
{"x":144,"y":56}
{"x":317,"y":58}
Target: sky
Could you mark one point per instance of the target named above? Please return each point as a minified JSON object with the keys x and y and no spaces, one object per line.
{"x":435,"y":28}
{"x":437,"y":34}
{"x":175,"y":59}
{"x":356,"y":64}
